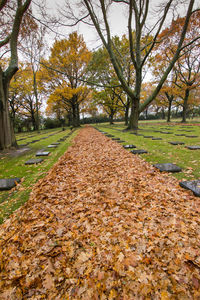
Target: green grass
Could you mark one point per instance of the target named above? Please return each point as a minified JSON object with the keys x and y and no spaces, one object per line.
{"x":160,"y":151}
{"x":30,"y":174}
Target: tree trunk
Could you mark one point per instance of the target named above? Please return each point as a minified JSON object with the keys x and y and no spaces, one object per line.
{"x":126,"y":115}
{"x":127,"y":110}
{"x":146,"y":113}
{"x":111,"y":117}
{"x":163,"y":113}
{"x":7,"y":136}
{"x":185,"y":105}
{"x":133,"y":121}
{"x":75,"y":112}
{"x":169,"y":109}
{"x":77,"y":115}
{"x":36,"y":101}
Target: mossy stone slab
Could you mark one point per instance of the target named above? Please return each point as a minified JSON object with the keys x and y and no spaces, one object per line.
{"x":33,"y":161}
{"x":8,"y":183}
{"x":139,"y":151}
{"x":193,"y":185}
{"x":168,"y":167}
{"x":129,"y":146}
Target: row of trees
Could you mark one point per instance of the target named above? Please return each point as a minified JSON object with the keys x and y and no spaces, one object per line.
{"x":74,"y":79}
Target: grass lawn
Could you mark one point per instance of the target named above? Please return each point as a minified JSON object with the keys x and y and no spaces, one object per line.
{"x":14,"y":166}
{"x":160,"y":151}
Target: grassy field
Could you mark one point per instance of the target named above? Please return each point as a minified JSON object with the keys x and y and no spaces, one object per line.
{"x":13,"y":165}
{"x":160,"y":151}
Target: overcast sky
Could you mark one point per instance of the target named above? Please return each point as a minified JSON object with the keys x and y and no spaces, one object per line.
{"x":117,"y":19}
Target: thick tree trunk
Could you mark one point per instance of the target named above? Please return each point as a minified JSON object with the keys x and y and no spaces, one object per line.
{"x":133,"y":121}
{"x":185,"y":106}
{"x":7,"y":136}
{"x":75,"y":113}
{"x":111,"y":117}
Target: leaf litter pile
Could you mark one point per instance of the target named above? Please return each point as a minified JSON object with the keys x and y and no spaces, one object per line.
{"x":103,"y":224}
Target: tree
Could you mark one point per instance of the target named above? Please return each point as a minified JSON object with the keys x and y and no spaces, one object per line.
{"x":67,"y":64}
{"x":34,"y":49}
{"x":102,"y":73}
{"x":187,"y":67}
{"x":108,"y":99}
{"x":139,"y":12}
{"x":22,"y":95}
{"x":11,"y":15}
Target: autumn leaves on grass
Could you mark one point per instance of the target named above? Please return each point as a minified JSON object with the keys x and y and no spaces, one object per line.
{"x":103,"y":224}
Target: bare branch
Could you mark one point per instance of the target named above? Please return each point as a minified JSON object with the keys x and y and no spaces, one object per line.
{"x":5,"y":41}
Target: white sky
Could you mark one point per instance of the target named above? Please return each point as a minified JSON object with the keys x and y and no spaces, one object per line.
{"x":117,"y":19}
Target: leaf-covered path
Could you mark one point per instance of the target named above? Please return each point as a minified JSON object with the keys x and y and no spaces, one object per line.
{"x":103,"y":224}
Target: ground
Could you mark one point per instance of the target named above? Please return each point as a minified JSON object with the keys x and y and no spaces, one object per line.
{"x":103,"y":224}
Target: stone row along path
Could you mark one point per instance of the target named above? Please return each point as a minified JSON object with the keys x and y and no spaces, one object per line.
{"x":103,"y":224}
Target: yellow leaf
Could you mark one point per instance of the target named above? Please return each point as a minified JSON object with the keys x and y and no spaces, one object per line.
{"x":164,"y":295}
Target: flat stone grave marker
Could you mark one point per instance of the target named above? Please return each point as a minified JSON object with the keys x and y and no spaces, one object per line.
{"x":168,"y":167}
{"x":23,"y":145}
{"x":52,"y":146}
{"x":139,"y":151}
{"x":148,"y":136}
{"x":156,"y":138}
{"x":116,"y":139}
{"x":42,"y":153}
{"x":33,"y":161}
{"x":109,"y":135}
{"x":181,"y":134}
{"x":191,"y":136}
{"x":129,"y":146}
{"x":121,"y":141}
{"x":8,"y":183}
{"x":176,"y":143}
{"x":195,"y":147}
{"x":165,"y":132}
{"x":56,"y":143}
{"x":34,"y":141}
{"x":137,"y":134}
{"x":193,"y":185}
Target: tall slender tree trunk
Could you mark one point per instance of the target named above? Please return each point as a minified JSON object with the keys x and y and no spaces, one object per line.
{"x":170,"y":99}
{"x":127,"y":111}
{"x":163,"y":113}
{"x":185,"y":106}
{"x":36,"y":101}
{"x":7,"y":136}
{"x":146,"y":113}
